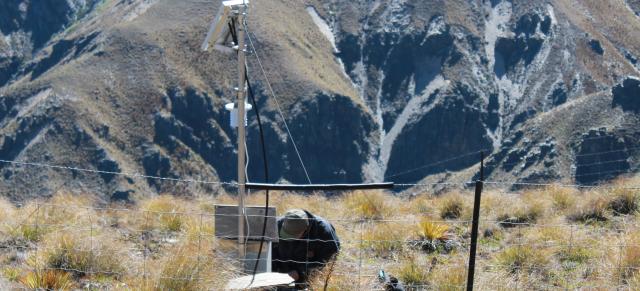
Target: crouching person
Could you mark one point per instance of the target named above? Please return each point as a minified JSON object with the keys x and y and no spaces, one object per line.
{"x":306,"y":243}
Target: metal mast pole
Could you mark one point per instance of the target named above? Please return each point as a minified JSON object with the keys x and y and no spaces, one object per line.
{"x":241,"y":131}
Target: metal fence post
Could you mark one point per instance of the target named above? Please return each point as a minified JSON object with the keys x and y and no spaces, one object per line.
{"x":474,"y":225}
{"x":146,"y":246}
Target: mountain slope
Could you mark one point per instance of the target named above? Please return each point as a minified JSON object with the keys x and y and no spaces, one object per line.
{"x":370,"y":89}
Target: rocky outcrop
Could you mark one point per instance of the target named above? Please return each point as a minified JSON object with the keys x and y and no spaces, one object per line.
{"x":61,"y":51}
{"x":156,"y":164}
{"x":523,"y":48}
{"x":27,"y":26}
{"x":596,"y":47}
{"x":601,"y":156}
{"x":333,"y":135}
{"x":626,"y":95}
{"x":441,"y":134}
{"x":41,"y":19}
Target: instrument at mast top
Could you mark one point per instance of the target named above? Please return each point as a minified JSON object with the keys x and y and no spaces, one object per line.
{"x":219,"y":34}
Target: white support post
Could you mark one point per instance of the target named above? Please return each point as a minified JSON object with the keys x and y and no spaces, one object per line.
{"x":241,"y":132}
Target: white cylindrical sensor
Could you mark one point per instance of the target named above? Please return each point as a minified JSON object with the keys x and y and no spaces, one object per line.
{"x":233,"y":117}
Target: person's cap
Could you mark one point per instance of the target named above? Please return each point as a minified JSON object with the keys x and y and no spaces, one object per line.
{"x":295,"y":224}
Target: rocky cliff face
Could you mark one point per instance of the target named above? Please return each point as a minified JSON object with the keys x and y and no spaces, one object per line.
{"x":446,"y":79}
{"x":372,"y":90}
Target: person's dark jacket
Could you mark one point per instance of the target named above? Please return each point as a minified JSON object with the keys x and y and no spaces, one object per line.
{"x":320,"y":241}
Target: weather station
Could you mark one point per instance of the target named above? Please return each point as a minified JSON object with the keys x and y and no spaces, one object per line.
{"x":247,"y":232}
{"x":238,"y":222}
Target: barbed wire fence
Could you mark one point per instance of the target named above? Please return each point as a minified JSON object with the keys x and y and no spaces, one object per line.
{"x":359,"y":262}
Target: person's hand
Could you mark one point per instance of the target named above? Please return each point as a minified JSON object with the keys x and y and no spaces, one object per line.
{"x":294,"y":274}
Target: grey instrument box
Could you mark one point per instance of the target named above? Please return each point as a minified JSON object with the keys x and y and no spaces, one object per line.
{"x":226,"y":222}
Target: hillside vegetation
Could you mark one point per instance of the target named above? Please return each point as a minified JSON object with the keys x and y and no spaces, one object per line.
{"x":122,"y":86}
{"x":540,"y":238}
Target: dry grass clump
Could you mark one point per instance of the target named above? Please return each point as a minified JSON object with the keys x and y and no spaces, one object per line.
{"x":449,"y":278}
{"x":575,"y":254}
{"x":368,"y":204}
{"x":593,"y":209}
{"x":562,"y":198}
{"x":431,"y":231}
{"x":185,"y":266}
{"x":424,"y":205}
{"x":623,"y":201}
{"x":33,"y":221}
{"x":337,"y":277}
{"x":182,"y":270}
{"x":24,"y":232}
{"x":7,"y":210}
{"x":412,"y":273}
{"x":384,"y":239}
{"x":630,"y":257}
{"x":331,"y":281}
{"x":523,"y":213}
{"x":452,"y":206}
{"x":523,"y":258}
{"x":164,"y":212}
{"x":494,"y":204}
{"x":199,"y":228}
{"x":80,"y":254}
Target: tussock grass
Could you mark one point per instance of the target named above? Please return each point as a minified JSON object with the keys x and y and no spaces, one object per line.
{"x":79,"y":253}
{"x":424,"y":204}
{"x":431,"y":231}
{"x":593,"y":209}
{"x":452,"y":206}
{"x":182,"y":270}
{"x":11,"y":273}
{"x":185,"y":266}
{"x":562,"y":198}
{"x":164,"y":212}
{"x":623,"y":201}
{"x":384,"y":239}
{"x":526,"y":211}
{"x":449,"y":279}
{"x":412,"y":273}
{"x":523,"y":259}
{"x":33,"y":221}
{"x":7,"y":210}
{"x":171,"y":240}
{"x":48,"y":280}
{"x":630,"y":257}
{"x":575,"y":254}
{"x":368,"y":205}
